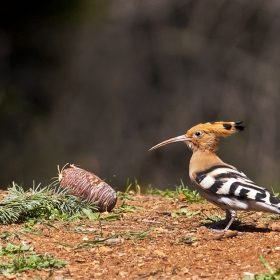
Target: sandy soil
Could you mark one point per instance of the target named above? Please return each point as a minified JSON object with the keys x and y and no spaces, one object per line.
{"x":162,"y":239}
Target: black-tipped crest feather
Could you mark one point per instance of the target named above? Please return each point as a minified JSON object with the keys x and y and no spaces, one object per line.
{"x":239,"y":126}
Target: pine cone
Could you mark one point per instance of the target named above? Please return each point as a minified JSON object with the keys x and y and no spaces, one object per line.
{"x":88,"y":186}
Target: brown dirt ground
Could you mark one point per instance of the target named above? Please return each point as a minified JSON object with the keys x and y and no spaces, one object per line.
{"x":161,"y":254}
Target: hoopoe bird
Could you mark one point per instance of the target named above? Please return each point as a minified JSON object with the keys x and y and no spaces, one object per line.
{"x":221,"y":183}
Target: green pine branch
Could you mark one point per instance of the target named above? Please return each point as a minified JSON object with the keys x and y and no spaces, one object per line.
{"x":40,"y":203}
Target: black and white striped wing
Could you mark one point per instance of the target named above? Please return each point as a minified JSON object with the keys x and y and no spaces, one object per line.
{"x":222,"y":184}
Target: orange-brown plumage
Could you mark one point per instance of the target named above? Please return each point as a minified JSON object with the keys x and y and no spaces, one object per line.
{"x":221,"y":183}
{"x":210,"y":134}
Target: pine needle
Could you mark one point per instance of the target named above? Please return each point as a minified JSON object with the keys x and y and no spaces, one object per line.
{"x":40,"y":203}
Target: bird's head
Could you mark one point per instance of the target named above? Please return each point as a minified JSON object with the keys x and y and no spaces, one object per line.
{"x":205,"y":136}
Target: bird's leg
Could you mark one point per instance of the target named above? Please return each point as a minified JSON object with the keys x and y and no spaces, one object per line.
{"x":230,"y":214}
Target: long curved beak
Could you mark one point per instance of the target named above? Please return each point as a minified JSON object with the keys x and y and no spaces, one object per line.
{"x":175,"y":139}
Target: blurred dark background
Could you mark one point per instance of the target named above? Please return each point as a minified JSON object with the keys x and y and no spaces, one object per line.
{"x":97,"y":83}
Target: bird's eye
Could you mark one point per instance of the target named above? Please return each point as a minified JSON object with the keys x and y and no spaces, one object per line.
{"x":198,"y":133}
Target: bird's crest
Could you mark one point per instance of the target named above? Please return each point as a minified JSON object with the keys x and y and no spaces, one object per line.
{"x":220,"y":129}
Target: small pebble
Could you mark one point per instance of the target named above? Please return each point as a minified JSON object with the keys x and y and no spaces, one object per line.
{"x":275,"y":227}
{"x":123,"y":273}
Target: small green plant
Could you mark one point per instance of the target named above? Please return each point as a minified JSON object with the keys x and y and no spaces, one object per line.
{"x":24,"y":258}
{"x":11,"y":249}
{"x":275,"y":193}
{"x":126,"y":208}
{"x":97,"y":216}
{"x":213,"y":217}
{"x":272,"y":275}
{"x":181,"y":192}
{"x":128,"y":193}
{"x":100,"y":217}
{"x":185,"y":212}
{"x":138,"y":235}
{"x":274,"y":217}
{"x":22,"y":263}
{"x":189,"y":239}
{"x":6,"y":235}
